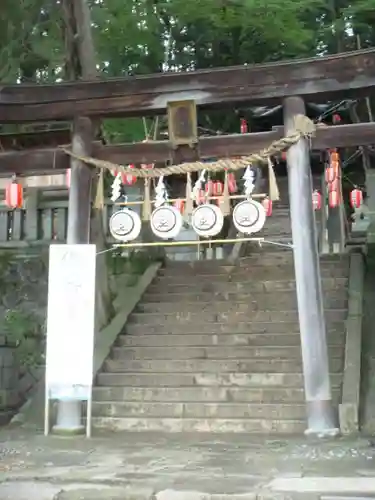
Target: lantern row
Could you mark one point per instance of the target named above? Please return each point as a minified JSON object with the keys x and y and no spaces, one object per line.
{"x":334,"y":200}
{"x":207,"y":220}
{"x":333,"y":179}
{"x":14,"y":196}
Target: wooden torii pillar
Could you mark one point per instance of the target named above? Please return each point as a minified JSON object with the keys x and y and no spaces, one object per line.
{"x":77,"y":17}
{"x":321,"y":418}
{"x":69,"y":411}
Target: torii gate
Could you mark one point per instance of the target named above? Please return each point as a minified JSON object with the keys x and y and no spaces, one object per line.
{"x":348,"y":75}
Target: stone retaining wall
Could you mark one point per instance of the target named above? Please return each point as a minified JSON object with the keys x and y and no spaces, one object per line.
{"x":23,"y":301}
{"x":9,"y":394}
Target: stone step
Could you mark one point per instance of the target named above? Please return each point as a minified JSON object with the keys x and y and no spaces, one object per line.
{"x":178,"y":318}
{"x":201,"y":394}
{"x":276,"y":234}
{"x":247,"y":262}
{"x":226,"y":328}
{"x":248,"y":426}
{"x":253,"y":304}
{"x":215,"y":352}
{"x":257,"y":296}
{"x":246,"y":285}
{"x":199,"y":410}
{"x":280,"y":223}
{"x":206,"y":340}
{"x":274,"y":255}
{"x":252,"y":247}
{"x":236,"y":379}
{"x":241,"y":274}
{"x":192,"y":366}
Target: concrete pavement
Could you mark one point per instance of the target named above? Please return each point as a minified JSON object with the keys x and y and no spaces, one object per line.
{"x":181,"y":467}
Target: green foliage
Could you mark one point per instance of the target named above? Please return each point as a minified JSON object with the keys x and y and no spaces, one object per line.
{"x":147,"y":36}
{"x":30,"y":40}
{"x":24,"y":330}
{"x":5,"y":260}
{"x":117,"y":130}
{"x":134,"y":263}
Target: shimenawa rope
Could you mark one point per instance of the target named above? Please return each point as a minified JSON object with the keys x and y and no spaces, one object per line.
{"x":304,"y":128}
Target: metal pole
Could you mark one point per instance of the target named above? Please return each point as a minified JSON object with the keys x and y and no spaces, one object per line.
{"x":69,"y":412}
{"x":320,"y":415}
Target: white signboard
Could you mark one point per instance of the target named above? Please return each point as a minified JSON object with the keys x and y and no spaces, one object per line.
{"x":70,"y":322}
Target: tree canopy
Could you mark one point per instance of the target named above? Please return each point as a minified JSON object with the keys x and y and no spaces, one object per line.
{"x":148,"y":36}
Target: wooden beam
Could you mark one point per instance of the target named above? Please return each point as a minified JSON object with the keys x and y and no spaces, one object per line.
{"x":226,"y":146}
{"x":319,"y":79}
{"x":50,"y":160}
{"x":37,"y":139}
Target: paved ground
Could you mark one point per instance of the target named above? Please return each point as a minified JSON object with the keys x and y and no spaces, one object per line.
{"x":164,"y":467}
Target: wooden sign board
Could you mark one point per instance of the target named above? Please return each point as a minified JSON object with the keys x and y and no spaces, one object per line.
{"x":70,"y":323}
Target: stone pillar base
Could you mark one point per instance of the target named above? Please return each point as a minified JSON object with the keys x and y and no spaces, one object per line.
{"x":321,"y":419}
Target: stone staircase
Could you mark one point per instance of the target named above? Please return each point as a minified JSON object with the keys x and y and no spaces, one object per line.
{"x":214,"y":347}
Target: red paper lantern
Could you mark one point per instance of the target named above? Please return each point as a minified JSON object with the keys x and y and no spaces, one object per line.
{"x":334,"y":158}
{"x":333,"y":199}
{"x":129,"y":179}
{"x":356,"y":198}
{"x":334,"y":185}
{"x":14,"y":195}
{"x":267,"y":205}
{"x":217,"y":188}
{"x":317,"y":200}
{"x":209,"y":187}
{"x":331,"y":174}
{"x":180,"y":205}
{"x":232,"y":183}
{"x":244,"y":127}
{"x":68,"y":177}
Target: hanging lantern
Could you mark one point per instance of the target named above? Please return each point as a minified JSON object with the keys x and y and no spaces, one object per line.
{"x":356,"y":198}
{"x":331,"y":173}
{"x":68,"y":177}
{"x":267,"y":205}
{"x":217,"y":188}
{"x":180,"y":205}
{"x":244,"y":127}
{"x":14,"y":195}
{"x":334,"y":158}
{"x":232,"y":183}
{"x":333,"y":199}
{"x":334,"y":185}
{"x":316,"y":200}
{"x":209,"y":187}
{"x":129,"y":179}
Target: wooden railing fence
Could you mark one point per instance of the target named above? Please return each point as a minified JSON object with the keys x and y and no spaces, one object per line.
{"x":40,"y":223}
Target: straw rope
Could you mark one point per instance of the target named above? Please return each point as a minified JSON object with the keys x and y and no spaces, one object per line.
{"x":303,"y":128}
